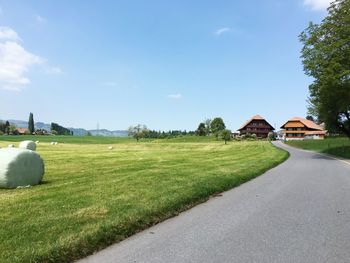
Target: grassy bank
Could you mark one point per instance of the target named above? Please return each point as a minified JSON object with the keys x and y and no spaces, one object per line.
{"x":334,"y":146}
{"x":92,"y":197}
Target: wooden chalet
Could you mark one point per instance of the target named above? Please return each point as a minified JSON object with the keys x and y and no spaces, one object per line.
{"x":256,"y":125}
{"x":299,"y":128}
{"x":21,"y":131}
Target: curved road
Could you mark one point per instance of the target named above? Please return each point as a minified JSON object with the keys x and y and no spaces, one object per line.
{"x":296,"y":212}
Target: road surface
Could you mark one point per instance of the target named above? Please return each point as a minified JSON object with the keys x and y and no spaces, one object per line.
{"x":296,"y":212}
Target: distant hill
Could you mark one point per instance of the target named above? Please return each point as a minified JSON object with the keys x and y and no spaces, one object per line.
{"x":76,"y":131}
{"x":104,"y":132}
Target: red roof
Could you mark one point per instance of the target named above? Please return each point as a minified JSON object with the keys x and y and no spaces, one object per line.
{"x":22,"y":130}
{"x":309,"y":124}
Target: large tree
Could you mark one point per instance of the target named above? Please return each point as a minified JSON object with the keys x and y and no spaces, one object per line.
{"x":139,"y":131}
{"x":217,"y":125}
{"x":326,"y":58}
{"x":7,"y":127}
{"x":201,"y":129}
{"x":31,"y":123}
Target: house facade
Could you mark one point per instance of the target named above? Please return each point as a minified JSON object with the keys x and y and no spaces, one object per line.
{"x":300,"y":129}
{"x":256,"y":125}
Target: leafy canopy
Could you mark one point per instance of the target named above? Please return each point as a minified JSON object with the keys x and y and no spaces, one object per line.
{"x":326,"y":58}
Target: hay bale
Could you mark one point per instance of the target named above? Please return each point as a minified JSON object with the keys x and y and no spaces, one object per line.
{"x":52,"y":143}
{"x":20,"y":167}
{"x":36,"y":142}
{"x":110,"y":148}
{"x":29,"y":145}
{"x":11,"y":146}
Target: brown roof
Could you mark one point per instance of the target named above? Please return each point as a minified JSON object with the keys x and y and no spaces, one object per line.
{"x":256,"y":117}
{"x":22,"y":130}
{"x":307,"y":123}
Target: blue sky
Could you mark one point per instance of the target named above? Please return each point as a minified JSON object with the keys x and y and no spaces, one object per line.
{"x":166,"y":64}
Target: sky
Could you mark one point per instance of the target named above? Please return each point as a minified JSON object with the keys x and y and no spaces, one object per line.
{"x":166,"y":64}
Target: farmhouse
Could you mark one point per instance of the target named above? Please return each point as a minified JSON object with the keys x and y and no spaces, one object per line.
{"x":256,"y":125}
{"x":21,"y":131}
{"x":299,"y":128}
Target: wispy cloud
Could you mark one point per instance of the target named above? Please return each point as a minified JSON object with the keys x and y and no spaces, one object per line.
{"x":39,"y":19}
{"x":222,"y":30}
{"x":317,"y":5}
{"x":175,"y":96}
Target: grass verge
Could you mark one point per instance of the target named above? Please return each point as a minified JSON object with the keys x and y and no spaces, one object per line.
{"x":93,"y":197}
{"x":334,"y":146}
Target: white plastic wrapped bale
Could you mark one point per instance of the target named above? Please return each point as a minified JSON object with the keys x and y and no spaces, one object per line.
{"x":20,"y":167}
{"x":11,"y":146}
{"x":110,"y":148}
{"x":29,"y":145}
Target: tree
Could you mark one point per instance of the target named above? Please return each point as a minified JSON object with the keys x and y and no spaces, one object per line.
{"x":310,"y":118}
{"x":272,"y":136}
{"x":201,"y":131}
{"x":12,"y":129}
{"x":217,"y":125}
{"x":139,"y":131}
{"x":326,"y":58}
{"x":226,"y":135}
{"x":7,"y":127}
{"x":57,"y":129}
{"x":207,"y":126}
{"x":31,"y":128}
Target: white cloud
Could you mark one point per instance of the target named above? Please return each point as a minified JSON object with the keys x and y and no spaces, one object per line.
{"x":317,"y":4}
{"x":7,"y":33}
{"x":40,"y":19}
{"x":54,"y":70}
{"x":175,"y":96}
{"x":15,"y":61}
{"x":221,"y":31}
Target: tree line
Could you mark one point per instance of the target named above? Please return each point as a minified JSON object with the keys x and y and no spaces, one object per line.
{"x":326,"y":58}
{"x":214,"y":127}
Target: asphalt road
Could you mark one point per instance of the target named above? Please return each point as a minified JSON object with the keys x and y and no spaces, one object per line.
{"x":296,"y":212}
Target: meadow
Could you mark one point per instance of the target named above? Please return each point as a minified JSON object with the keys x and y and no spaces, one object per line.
{"x":337,"y":146}
{"x":92,"y":197}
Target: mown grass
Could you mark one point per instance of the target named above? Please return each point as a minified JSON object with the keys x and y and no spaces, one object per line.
{"x":92,"y":197}
{"x":334,"y":146}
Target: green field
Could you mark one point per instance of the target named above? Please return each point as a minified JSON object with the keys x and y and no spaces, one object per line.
{"x":92,"y":197}
{"x":334,"y":146}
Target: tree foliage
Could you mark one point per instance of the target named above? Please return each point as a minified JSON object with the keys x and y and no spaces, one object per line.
{"x":31,"y":128}
{"x":60,"y":130}
{"x":310,"y":118}
{"x":326,"y":58}
{"x":217,"y":125}
{"x":201,"y":130}
{"x":226,"y":135}
{"x":7,"y":127}
{"x":139,"y":131}
{"x":207,"y":126}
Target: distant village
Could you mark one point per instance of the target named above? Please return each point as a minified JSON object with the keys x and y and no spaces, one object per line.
{"x":257,"y":127}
